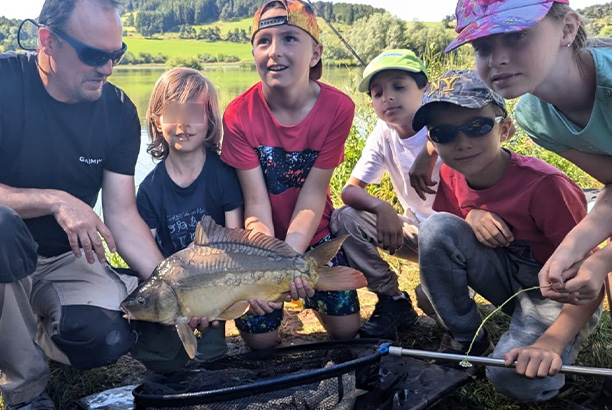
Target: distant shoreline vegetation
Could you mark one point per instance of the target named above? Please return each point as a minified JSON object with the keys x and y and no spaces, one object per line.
{"x":160,"y":30}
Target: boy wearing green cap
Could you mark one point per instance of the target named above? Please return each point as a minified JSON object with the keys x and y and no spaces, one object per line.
{"x":396,"y":81}
{"x":499,"y":217}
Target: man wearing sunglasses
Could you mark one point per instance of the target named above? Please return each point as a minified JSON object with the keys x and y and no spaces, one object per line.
{"x":500,"y":216}
{"x":65,"y":133}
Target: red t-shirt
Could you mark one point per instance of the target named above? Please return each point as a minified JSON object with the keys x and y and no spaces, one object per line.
{"x":252,"y":137}
{"x":539,"y":203}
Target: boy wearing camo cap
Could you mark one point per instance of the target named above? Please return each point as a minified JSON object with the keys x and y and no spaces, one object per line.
{"x":500,"y":216}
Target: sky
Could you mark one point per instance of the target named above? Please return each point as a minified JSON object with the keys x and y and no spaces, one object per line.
{"x":422,"y":10}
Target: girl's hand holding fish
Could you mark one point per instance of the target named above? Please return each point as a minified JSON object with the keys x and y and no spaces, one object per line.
{"x":260,"y":307}
{"x":299,"y":289}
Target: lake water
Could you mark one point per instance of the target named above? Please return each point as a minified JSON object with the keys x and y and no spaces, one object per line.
{"x":230,"y":82}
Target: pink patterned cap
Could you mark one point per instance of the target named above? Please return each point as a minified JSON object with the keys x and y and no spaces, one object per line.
{"x":481,"y":18}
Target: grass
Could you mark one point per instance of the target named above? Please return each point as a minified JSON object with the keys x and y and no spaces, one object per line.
{"x":186,"y":48}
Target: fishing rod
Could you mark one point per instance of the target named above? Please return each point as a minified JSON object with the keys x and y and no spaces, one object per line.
{"x":467,"y":361}
{"x":347,"y":45}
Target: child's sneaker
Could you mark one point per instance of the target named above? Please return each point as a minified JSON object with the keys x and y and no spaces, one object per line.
{"x":482,"y":347}
{"x":424,"y":303}
{"x":391,"y":314}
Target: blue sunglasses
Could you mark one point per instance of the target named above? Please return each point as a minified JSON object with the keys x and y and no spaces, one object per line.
{"x":476,"y":127}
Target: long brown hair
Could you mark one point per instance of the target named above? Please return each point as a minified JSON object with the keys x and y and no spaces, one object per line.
{"x":559,"y":10}
{"x":182,"y":85}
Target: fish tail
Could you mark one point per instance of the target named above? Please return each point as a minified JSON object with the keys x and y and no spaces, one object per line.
{"x":340,"y":278}
{"x":324,"y":253}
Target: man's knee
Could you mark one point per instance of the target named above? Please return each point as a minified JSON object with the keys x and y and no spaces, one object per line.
{"x":18,"y":255}
{"x":92,"y":336}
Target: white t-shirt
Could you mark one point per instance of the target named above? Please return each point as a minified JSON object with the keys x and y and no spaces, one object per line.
{"x":385,"y":151}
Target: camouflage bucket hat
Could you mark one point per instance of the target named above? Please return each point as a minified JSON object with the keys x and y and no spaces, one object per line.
{"x":482,"y":18}
{"x":459,"y":87}
{"x":298,"y":14}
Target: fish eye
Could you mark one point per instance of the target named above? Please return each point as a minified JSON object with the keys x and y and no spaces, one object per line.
{"x":140,"y":300}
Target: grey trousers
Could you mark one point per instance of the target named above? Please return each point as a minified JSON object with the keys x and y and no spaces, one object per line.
{"x":451,"y":259}
{"x":61,"y":308}
{"x":361,"y":247}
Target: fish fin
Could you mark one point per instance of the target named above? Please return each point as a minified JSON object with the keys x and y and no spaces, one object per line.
{"x":190,"y":343}
{"x":340,"y":278}
{"x":208,"y":233}
{"x":236,"y":310}
{"x":325,"y":252}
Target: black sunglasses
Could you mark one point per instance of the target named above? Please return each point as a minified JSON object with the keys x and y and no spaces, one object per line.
{"x":90,"y":55}
{"x":27,"y":35}
{"x":476,"y":127}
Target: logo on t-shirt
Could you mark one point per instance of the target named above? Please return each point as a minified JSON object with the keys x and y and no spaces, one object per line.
{"x":90,"y":161}
{"x":285,"y":169}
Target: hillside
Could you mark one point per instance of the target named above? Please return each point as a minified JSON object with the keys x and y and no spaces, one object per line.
{"x":195,"y":32}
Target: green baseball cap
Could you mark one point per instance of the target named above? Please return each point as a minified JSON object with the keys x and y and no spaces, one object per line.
{"x":397,"y":59}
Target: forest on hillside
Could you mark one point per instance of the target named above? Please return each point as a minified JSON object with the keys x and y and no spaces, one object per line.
{"x":167,"y":14}
{"x":367,"y":29}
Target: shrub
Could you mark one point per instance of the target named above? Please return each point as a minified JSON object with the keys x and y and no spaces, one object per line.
{"x":181,"y":61}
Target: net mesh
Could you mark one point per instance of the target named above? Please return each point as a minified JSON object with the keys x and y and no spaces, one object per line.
{"x":318,"y":376}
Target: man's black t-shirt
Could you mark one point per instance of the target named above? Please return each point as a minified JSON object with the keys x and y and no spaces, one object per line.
{"x":48,"y":144}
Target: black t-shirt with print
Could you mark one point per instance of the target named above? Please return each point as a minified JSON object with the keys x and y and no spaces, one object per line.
{"x":174,"y":211}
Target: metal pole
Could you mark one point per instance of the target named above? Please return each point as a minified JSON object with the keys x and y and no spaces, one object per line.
{"x":347,"y":45}
{"x":487,"y":361}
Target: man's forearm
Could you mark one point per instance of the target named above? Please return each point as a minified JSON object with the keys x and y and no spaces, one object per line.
{"x":29,"y":202}
{"x":136,"y":245}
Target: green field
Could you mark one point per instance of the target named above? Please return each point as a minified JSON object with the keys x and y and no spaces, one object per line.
{"x":187,"y":48}
{"x":226,"y":26}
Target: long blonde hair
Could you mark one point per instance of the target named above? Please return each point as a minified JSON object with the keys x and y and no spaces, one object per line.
{"x":181,"y":85}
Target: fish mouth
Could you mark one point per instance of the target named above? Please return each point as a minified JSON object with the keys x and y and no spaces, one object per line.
{"x":127,"y":314}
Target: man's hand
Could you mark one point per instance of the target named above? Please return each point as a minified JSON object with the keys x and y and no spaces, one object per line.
{"x":83,"y":226}
{"x":422,"y":170}
{"x":490,"y":229}
{"x":388,"y":228}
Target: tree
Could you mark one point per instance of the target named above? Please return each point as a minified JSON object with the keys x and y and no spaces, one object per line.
{"x":129,"y":20}
{"x":421,"y":38}
{"x":447,"y":20}
{"x":149,"y":23}
{"x":380,"y":31}
{"x":606,"y":31}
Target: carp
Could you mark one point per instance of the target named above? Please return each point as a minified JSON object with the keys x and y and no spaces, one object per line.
{"x":222,"y":269}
